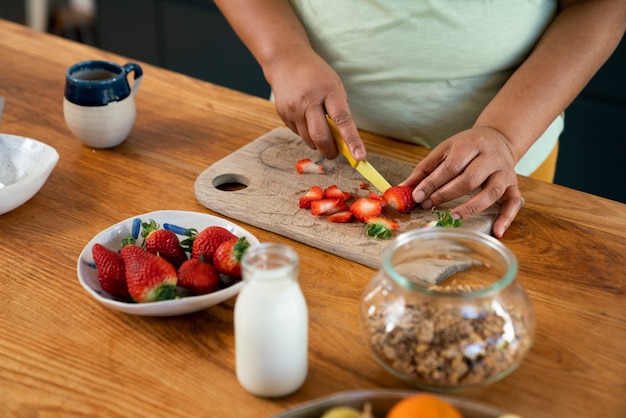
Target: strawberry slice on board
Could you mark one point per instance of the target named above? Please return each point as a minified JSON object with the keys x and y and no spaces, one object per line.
{"x":307,"y":166}
{"x":400,"y":198}
{"x":376,"y":196}
{"x":314,"y":193}
{"x":379,"y":227}
{"x":341,"y":217}
{"x":110,"y":270}
{"x":326,"y":207}
{"x":365,"y":207}
{"x":334,"y":192}
{"x":149,"y":277}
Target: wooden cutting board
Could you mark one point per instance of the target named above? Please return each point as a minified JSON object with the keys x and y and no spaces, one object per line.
{"x":266,"y":166}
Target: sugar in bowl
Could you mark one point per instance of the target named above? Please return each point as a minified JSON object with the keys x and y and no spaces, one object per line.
{"x":445,"y":311}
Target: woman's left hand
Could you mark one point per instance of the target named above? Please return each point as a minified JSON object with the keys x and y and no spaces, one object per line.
{"x":478,"y":158}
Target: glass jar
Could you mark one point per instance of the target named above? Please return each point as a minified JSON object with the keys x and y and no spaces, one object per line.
{"x":271,"y":322}
{"x":445,"y":312}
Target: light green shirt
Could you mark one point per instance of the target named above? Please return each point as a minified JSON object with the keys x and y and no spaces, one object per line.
{"x":421,"y":71}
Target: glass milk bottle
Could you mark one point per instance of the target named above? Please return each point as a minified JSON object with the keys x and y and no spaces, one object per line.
{"x":271,"y":322}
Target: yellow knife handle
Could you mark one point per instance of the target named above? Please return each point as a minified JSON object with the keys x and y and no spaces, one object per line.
{"x":340,"y":142}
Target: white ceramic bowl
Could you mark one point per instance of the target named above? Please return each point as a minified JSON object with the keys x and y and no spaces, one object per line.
{"x":112,"y":237}
{"x":25,"y":165}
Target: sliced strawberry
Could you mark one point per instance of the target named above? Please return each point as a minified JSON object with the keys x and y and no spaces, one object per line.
{"x":149,"y":277}
{"x":163,"y":242}
{"x":199,"y":277}
{"x":227,"y":257}
{"x":334,"y":192}
{"x":376,"y":196}
{"x":207,"y":241}
{"x":342,"y":217}
{"x":307,"y":166}
{"x":314,"y":193}
{"x":400,"y":198}
{"x":326,"y":207}
{"x":365,"y":207}
{"x":110,"y":270}
{"x":379,"y":227}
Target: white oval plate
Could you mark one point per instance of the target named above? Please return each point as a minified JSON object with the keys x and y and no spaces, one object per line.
{"x":112,"y":238}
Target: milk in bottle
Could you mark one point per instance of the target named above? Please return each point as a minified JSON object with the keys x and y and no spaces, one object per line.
{"x":271,"y":322}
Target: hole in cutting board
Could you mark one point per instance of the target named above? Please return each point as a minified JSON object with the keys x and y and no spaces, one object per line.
{"x":230,"y":182}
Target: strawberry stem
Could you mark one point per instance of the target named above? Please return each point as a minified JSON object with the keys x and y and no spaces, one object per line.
{"x":129,"y":240}
{"x":147,"y":228}
{"x":190,"y":233}
{"x":444,"y":218}
{"x":167,"y":292}
{"x":187,"y":243}
{"x":378,"y":231}
{"x":240,"y":248}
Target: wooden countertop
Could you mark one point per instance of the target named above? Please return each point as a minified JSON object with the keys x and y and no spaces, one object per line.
{"x":63,"y":354}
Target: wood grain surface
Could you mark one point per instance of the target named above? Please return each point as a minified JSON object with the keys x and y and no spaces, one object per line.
{"x":269,"y":200}
{"x":62,"y":354}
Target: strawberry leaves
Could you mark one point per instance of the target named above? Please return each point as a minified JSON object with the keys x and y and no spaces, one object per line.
{"x":445,"y":219}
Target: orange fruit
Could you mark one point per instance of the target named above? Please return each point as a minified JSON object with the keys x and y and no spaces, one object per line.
{"x":423,"y":406}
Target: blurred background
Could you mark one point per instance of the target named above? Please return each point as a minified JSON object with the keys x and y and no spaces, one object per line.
{"x":192,"y":37}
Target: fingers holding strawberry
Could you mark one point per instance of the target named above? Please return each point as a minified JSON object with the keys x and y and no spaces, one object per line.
{"x":400,"y":198}
{"x":340,"y":206}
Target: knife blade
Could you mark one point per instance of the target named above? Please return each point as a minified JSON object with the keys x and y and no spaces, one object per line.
{"x":363,"y":167}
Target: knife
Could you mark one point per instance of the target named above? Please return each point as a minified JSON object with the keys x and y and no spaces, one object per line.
{"x":363,"y":167}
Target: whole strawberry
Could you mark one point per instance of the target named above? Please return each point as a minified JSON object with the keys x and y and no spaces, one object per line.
{"x":149,"y":277}
{"x":111,"y":272}
{"x":163,"y":242}
{"x":227,"y":257}
{"x":199,"y":277}
{"x":207,"y":241}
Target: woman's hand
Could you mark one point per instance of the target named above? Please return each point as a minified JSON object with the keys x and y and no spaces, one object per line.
{"x":478,"y":158}
{"x":305,"y":89}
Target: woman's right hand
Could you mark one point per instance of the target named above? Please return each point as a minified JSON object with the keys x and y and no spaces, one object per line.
{"x":305,"y":89}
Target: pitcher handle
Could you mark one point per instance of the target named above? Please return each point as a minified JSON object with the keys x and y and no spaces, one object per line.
{"x":137,"y":76}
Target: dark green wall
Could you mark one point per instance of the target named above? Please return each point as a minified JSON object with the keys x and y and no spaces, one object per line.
{"x":188,"y":36}
{"x":592,"y":155}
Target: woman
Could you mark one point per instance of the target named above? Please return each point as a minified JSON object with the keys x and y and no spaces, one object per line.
{"x":482,"y":83}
